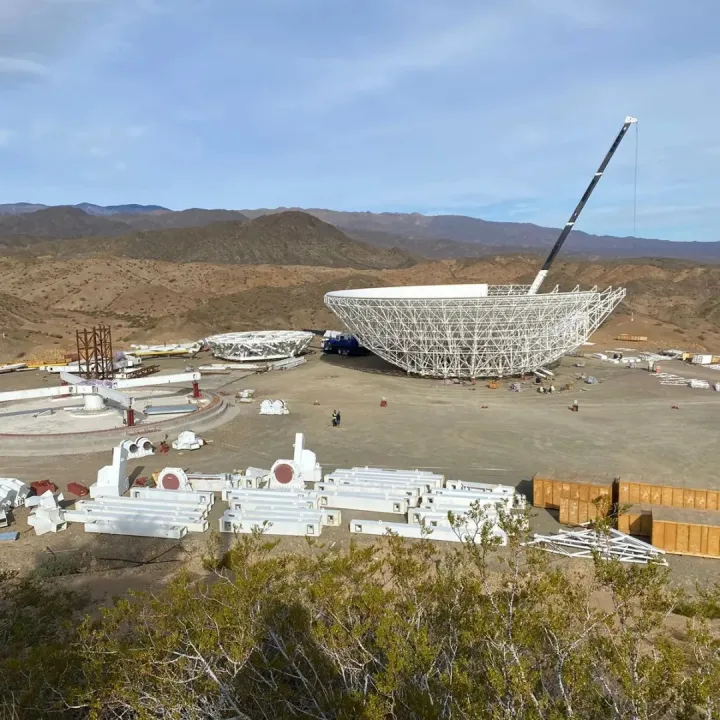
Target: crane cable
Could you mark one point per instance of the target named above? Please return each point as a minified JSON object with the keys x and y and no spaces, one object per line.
{"x":637,"y":142}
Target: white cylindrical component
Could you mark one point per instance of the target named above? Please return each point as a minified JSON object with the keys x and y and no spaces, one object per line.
{"x":94,"y":403}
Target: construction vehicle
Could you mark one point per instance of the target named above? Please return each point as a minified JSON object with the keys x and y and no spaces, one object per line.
{"x":542,"y":274}
{"x":343,"y":344}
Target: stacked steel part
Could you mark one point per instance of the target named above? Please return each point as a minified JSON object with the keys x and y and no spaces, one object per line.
{"x":472,"y":330}
{"x":95,"y":353}
{"x":144,"y":514}
{"x":610,"y":545}
{"x":264,"y":345}
{"x":276,"y":512}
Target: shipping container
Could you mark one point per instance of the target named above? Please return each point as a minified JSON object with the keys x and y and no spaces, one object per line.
{"x":636,"y":490}
{"x":686,"y":532}
{"x":633,"y":338}
{"x":578,"y":499}
{"x":636,"y":520}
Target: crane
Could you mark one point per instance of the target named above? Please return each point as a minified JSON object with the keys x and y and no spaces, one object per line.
{"x":537,"y":282}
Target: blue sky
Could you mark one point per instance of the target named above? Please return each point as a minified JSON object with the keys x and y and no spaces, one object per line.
{"x":500,"y":109}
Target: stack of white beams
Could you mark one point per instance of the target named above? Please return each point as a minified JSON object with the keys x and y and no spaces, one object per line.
{"x":376,"y":490}
{"x":275,"y":512}
{"x":145,"y":514}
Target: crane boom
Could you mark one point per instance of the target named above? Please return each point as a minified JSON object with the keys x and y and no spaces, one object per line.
{"x":537,"y":282}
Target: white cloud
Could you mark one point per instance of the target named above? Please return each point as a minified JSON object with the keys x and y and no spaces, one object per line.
{"x":5,"y":136}
{"x":23,"y":66}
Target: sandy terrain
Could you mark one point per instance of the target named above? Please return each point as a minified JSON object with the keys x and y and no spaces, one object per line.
{"x":44,"y":300}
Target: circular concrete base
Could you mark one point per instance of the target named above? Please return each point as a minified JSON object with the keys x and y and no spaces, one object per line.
{"x":66,"y":433}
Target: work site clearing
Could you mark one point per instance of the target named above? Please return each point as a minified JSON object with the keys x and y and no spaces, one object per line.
{"x":628,"y":424}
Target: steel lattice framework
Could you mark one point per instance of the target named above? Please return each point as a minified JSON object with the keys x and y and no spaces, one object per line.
{"x":472,"y":330}
{"x":263,"y":345}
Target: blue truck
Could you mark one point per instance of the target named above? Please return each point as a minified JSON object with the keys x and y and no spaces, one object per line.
{"x":343,"y":344}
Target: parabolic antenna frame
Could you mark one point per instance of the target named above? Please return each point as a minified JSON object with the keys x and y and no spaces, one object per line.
{"x":261,"y":345}
{"x":472,"y":331}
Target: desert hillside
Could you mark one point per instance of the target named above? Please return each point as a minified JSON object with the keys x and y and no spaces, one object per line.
{"x":674,"y":303}
{"x":290,"y":238}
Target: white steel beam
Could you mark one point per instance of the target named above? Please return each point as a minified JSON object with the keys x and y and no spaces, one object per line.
{"x":153,"y":380}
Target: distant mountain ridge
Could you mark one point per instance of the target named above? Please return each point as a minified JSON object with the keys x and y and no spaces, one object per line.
{"x":22,"y":208}
{"x":289,"y":238}
{"x":433,"y":237}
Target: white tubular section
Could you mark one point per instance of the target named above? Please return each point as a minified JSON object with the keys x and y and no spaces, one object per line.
{"x":308,"y":525}
{"x":158,"y":380}
{"x":167,"y":516}
{"x":169,"y":497}
{"x":243,"y":504}
{"x":480,"y":487}
{"x":411,"y":490}
{"x":442,"y":534}
{"x":380,"y":527}
{"x":433,"y":518}
{"x":113,"y":515}
{"x":423,"y":477}
{"x":135,"y":528}
{"x":365,"y":501}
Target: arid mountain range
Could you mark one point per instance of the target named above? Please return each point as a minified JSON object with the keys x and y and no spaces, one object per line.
{"x":438,"y":237}
{"x":206,"y":271}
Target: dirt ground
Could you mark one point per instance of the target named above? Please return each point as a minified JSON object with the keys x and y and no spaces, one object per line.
{"x":625,"y":425}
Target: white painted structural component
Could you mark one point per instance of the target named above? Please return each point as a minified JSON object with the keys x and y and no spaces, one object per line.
{"x":13,"y":492}
{"x":262,"y":345}
{"x":135,"y":529}
{"x":190,"y":377}
{"x":188,"y":440}
{"x":364,"y":501}
{"x":273,"y":407}
{"x":268,"y":495}
{"x":45,"y":521}
{"x":381,"y":527}
{"x":480,"y":487}
{"x":411,"y":495}
{"x":420,"y":516}
{"x":234,"y":522}
{"x":328,"y":516}
{"x":177,"y":496}
{"x":411,"y":490}
{"x":47,"y":516}
{"x":424,"y":477}
{"x":243,"y":504}
{"x":442,"y":534}
{"x":145,"y":505}
{"x":254,"y":478}
{"x":142,"y":447}
{"x":213,"y":482}
{"x":452,"y":501}
{"x":306,"y":460}
{"x":172,"y":479}
{"x":170,"y":519}
{"x":471,"y":330}
{"x":112,"y":480}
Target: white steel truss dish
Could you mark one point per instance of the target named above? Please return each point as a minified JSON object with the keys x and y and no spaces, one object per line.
{"x":471,"y":330}
{"x":263,"y":345}
{"x":613,"y":545}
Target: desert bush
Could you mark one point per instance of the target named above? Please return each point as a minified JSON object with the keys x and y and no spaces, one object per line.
{"x":395,"y":629}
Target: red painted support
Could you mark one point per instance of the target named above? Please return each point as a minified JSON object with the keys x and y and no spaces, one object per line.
{"x":130,"y":417}
{"x":196,"y":390}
